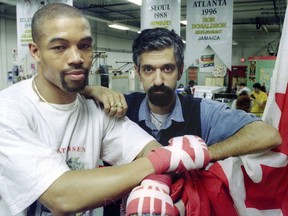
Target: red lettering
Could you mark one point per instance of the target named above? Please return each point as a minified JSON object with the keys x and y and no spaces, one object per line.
{"x":70,"y":149}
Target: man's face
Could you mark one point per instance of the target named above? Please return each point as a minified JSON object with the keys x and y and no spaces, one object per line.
{"x":65,"y":53}
{"x":159,"y":75}
{"x":257,"y":90}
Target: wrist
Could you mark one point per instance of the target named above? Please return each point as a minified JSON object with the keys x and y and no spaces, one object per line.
{"x":162,"y":178}
{"x":160,"y":159}
{"x":87,"y":91}
{"x":211,"y":155}
{"x":149,"y":166}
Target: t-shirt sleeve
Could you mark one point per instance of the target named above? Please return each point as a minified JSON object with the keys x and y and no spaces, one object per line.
{"x":123,"y":141}
{"x":27,"y":167}
{"x":218,"y":121}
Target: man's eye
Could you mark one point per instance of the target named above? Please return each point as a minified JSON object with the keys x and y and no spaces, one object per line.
{"x":85,"y":46}
{"x":148,"y":70}
{"x":167,"y":69}
{"x":58,"y":48}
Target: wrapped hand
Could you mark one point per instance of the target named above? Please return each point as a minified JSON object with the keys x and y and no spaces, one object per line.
{"x":183,"y":153}
{"x":151,"y":197}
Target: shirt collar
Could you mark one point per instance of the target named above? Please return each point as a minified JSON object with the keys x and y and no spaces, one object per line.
{"x":175,"y":115}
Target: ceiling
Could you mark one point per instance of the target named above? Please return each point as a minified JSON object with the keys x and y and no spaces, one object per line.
{"x":250,"y":17}
{"x":254,"y":21}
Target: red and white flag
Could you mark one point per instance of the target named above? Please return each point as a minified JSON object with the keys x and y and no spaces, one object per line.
{"x":250,"y":185}
{"x":262,"y":186}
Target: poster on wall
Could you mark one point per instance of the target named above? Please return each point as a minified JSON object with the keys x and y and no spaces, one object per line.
{"x":161,"y":13}
{"x":209,"y":25}
{"x":207,"y":60}
{"x":25,"y":10}
{"x":265,"y":77}
{"x":252,"y":71}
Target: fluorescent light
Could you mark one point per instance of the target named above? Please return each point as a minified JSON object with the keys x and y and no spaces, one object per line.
{"x":117,"y":26}
{"x":184,"y":22}
{"x":138,"y":2}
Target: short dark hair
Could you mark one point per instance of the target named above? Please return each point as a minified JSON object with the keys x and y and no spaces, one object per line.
{"x":243,"y":93}
{"x":52,"y":11}
{"x":191,"y":83}
{"x":257,"y":85}
{"x":243,"y":102}
{"x":158,"y":39}
{"x":242,"y":84}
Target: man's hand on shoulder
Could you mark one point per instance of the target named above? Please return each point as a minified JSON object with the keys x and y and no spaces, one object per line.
{"x":114,"y":103}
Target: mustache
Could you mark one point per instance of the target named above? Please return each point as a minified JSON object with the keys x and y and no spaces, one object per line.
{"x":80,"y":67}
{"x":162,"y":99}
{"x":161,"y":88}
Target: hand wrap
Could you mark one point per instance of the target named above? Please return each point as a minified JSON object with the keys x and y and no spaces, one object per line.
{"x":183,"y":153}
{"x":151,"y":197}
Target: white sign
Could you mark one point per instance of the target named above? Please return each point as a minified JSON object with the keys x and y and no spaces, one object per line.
{"x":161,"y":13}
{"x":209,"y":23}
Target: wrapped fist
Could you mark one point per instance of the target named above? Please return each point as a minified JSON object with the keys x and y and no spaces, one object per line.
{"x":183,"y":153}
{"x":151,"y":197}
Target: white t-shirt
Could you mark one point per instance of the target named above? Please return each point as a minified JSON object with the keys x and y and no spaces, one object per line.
{"x":38,"y":142}
{"x":244,"y":89}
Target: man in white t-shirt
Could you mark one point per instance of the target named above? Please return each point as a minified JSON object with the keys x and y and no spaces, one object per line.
{"x":242,"y":87}
{"x":52,"y":139}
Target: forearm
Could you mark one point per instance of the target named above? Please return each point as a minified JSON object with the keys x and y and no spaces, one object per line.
{"x":253,"y":138}
{"x":80,"y":190}
{"x":148,"y":148}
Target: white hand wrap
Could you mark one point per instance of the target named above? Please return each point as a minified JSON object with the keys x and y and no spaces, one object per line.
{"x":183,"y":153}
{"x":151,"y":197}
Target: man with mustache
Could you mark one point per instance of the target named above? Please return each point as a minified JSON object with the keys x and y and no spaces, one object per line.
{"x":158,"y":55}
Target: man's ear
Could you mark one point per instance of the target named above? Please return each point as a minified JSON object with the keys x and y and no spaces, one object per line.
{"x":180,"y":72}
{"x":34,"y":51}
{"x":137,"y":72}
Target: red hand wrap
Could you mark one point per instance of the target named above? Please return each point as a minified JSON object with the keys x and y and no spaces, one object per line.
{"x":183,"y":153}
{"x":151,"y":197}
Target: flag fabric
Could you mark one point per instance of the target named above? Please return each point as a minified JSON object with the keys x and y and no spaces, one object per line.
{"x":255,"y":184}
{"x":265,"y":176}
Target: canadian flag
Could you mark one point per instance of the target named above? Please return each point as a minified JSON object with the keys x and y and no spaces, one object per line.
{"x":250,"y":185}
{"x":262,"y":186}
